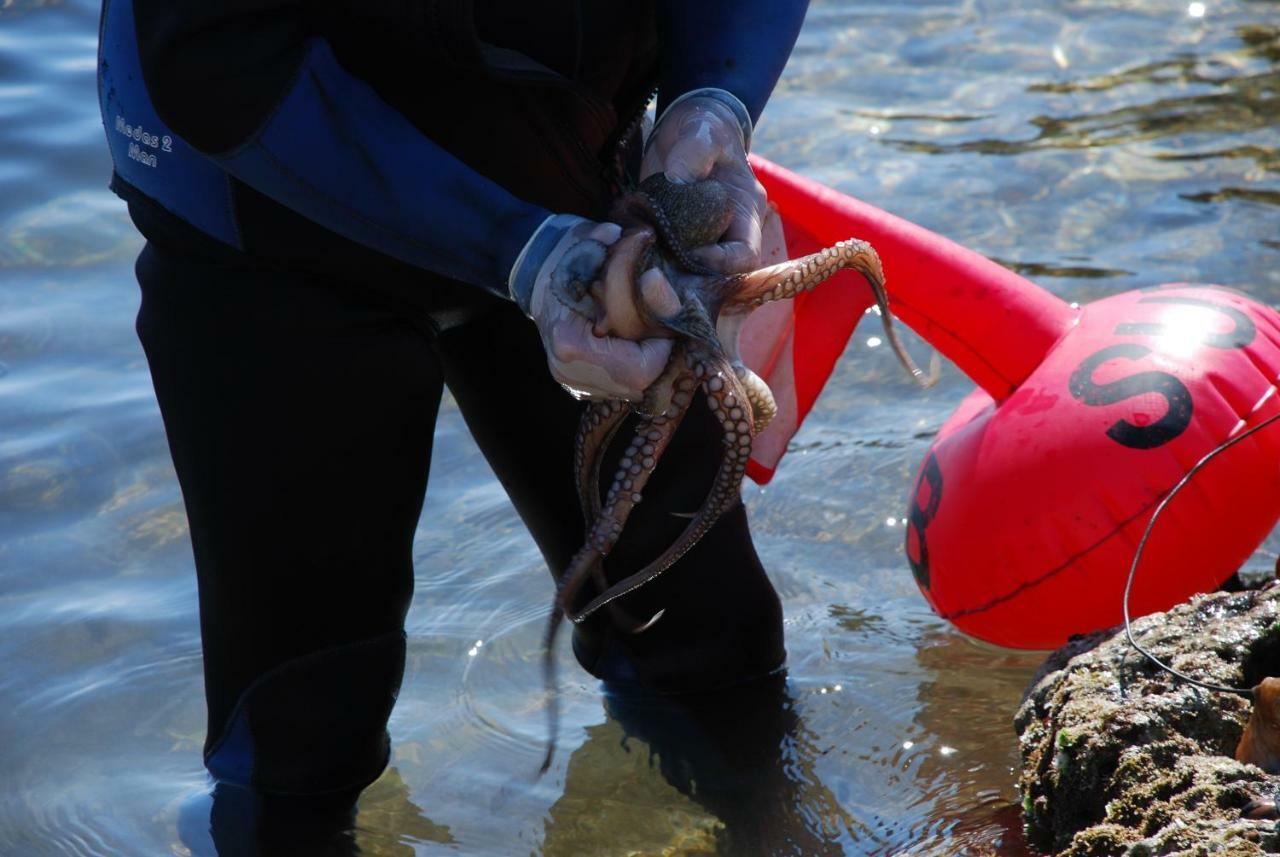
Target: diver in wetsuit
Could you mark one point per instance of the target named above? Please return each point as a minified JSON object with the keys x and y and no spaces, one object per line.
{"x":348,"y":206}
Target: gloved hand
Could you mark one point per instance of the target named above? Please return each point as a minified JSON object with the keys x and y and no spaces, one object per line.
{"x":550,"y":281}
{"x":705,"y":134}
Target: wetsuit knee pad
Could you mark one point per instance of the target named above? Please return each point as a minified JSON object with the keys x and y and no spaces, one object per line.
{"x":315,"y":724}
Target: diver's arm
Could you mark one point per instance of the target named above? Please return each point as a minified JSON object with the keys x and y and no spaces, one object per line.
{"x":739,"y":46}
{"x":720,"y":61}
{"x":246,"y":83}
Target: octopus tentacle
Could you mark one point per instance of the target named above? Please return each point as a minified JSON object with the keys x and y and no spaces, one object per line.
{"x":599,"y":423}
{"x":634,"y":469}
{"x":895,"y":342}
{"x":620,"y":299}
{"x":790,"y":278}
{"x":763,"y":406}
{"x":730,"y":403}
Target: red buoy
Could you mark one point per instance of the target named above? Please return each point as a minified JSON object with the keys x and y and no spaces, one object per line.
{"x":1029,"y":505}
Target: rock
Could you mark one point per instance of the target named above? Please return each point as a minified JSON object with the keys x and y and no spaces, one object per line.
{"x":1121,"y":758}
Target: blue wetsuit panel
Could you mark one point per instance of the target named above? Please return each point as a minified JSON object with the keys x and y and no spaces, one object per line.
{"x":740,"y":46}
{"x":336,"y":153}
{"x":147,"y":154}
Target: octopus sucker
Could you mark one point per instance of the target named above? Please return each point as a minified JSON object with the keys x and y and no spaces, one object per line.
{"x":662,"y":222}
{"x":597,"y":428}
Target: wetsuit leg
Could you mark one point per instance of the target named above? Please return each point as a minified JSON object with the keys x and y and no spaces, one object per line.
{"x":723,"y":620}
{"x":299,"y":415}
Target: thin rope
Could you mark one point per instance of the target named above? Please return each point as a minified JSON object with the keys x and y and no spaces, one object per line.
{"x":1142,"y":544}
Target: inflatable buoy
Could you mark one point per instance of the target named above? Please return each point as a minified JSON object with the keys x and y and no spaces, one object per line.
{"x":1029,"y":505}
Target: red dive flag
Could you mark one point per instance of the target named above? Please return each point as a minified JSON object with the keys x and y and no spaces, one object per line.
{"x":794,"y":345}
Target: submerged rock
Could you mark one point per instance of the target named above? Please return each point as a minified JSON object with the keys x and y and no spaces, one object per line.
{"x":1121,"y":758}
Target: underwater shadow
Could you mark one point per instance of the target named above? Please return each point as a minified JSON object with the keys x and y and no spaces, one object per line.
{"x":229,"y":821}
{"x":728,"y":772}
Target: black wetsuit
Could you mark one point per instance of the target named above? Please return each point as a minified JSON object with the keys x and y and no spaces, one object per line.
{"x":299,"y":366}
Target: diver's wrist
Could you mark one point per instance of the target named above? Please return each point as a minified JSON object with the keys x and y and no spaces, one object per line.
{"x":541,"y":244}
{"x":722,"y":96}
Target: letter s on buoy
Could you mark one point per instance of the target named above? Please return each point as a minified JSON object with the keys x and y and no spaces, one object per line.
{"x":1175,"y":393}
{"x":1241,"y":334}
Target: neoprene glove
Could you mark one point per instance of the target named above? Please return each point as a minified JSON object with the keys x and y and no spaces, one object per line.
{"x":550,"y":281}
{"x":705,"y":134}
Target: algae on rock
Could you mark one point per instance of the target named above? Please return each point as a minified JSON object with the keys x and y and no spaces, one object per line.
{"x":1121,"y":758}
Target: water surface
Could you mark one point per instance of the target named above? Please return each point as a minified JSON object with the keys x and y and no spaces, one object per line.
{"x":1095,"y":146}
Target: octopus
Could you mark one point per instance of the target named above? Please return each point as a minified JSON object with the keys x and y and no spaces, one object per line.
{"x":703,"y":312}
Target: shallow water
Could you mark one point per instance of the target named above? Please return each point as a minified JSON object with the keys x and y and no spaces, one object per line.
{"x":1095,"y":146}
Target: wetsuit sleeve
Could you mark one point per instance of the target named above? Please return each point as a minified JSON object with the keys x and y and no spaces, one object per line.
{"x":249,"y":85}
{"x":736,"y":45}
